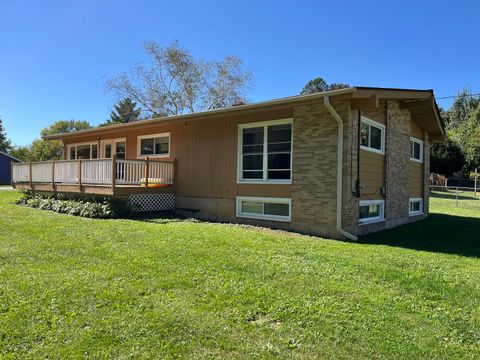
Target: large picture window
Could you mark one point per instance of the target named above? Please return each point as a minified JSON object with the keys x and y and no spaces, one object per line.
{"x":83,"y":151}
{"x":156,"y":145}
{"x":372,"y":136}
{"x":265,"y":151}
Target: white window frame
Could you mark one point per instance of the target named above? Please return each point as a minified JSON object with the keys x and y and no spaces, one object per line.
{"x":373,"y":123}
{"x":376,"y":219}
{"x":415,"y":213}
{"x":264,"y":200}
{"x":420,"y":142}
{"x":69,"y":146}
{"x":264,"y":180}
{"x":150,"y":136}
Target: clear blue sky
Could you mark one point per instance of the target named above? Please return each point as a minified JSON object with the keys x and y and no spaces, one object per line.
{"x":54,"y":55}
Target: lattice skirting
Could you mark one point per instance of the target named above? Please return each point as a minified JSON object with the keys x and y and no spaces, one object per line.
{"x":153,"y":202}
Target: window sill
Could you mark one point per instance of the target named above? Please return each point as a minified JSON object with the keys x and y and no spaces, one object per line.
{"x":265,"y":217}
{"x":416,"y":160}
{"x":153,"y":156}
{"x":368,"y":222}
{"x":415,"y":214}
{"x":376,"y":151}
{"x":266,"y":182}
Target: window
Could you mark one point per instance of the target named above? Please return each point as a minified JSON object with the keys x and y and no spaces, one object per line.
{"x":277,"y":209}
{"x":120,"y":149}
{"x":83,"y":151}
{"x":416,"y":150}
{"x":416,"y":206}
{"x":372,"y":136}
{"x":156,"y":145}
{"x":265,"y":151}
{"x":371,"y":211}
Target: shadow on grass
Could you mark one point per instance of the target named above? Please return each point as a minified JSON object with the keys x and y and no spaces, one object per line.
{"x":451,"y":196}
{"x":161,"y":217}
{"x":438,"y":233}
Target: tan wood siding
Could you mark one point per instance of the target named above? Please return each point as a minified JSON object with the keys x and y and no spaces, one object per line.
{"x":372,"y":174}
{"x":415,"y":179}
{"x":205,"y":154}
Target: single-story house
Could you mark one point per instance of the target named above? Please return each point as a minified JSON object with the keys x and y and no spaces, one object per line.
{"x":339,"y":163}
{"x":6,"y":167}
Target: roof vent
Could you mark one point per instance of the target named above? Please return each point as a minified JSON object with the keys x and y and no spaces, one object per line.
{"x":239,"y":103}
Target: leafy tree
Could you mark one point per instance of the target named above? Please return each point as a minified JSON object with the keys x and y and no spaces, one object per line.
{"x":320,"y":85}
{"x":463,"y":105}
{"x":21,"y":152}
{"x":125,"y":111}
{"x":174,"y":82}
{"x":5,"y":144}
{"x":446,"y":158}
{"x":41,"y":149}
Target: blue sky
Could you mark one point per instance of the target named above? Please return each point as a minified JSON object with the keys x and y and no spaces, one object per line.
{"x":55,"y":55}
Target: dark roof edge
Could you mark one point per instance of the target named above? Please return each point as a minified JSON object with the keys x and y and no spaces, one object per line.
{"x":10,"y":156}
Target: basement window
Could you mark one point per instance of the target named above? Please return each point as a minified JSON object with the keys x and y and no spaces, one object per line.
{"x":416,"y":150}
{"x":371,"y":211}
{"x":416,"y":207}
{"x":372,"y":136}
{"x":277,"y":209}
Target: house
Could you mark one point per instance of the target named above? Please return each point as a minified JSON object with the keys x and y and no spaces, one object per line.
{"x":340,"y":163}
{"x":6,"y":167}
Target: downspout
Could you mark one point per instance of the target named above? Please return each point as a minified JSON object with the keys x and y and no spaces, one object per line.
{"x":336,"y":116}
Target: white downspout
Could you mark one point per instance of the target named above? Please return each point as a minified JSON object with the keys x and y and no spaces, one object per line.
{"x":326,"y":101}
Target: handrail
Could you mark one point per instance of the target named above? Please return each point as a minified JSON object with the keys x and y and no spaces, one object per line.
{"x":137,"y":172}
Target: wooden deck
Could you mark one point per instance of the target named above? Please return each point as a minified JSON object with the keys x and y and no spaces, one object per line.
{"x":110,"y":177}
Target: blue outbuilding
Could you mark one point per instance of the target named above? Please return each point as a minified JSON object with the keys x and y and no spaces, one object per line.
{"x":6,"y":167}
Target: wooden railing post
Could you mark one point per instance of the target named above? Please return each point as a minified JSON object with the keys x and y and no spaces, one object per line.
{"x":53,"y":174}
{"x":114,"y":171}
{"x":147,"y":171}
{"x":79,"y":174}
{"x":30,"y":174}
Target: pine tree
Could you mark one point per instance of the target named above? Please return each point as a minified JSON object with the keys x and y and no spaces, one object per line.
{"x":125,"y":111}
{"x":5,"y":144}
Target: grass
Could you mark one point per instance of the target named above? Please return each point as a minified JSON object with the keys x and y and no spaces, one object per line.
{"x":74,"y":287}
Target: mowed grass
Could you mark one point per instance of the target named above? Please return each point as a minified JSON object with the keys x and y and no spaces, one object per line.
{"x":73,"y":288}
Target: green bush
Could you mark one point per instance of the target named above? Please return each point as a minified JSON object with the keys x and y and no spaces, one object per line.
{"x":103,"y":208}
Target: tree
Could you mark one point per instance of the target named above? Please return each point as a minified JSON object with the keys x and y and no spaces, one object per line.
{"x":174,"y":82}
{"x":446,"y":158}
{"x":125,"y":111}
{"x":41,"y":149}
{"x":320,"y":85}
{"x":463,"y":105}
{"x":5,"y":144}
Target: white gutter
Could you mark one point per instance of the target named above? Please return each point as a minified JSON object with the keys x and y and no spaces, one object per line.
{"x":333,"y":112}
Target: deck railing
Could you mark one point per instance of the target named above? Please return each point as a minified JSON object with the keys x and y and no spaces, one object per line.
{"x":101,"y":172}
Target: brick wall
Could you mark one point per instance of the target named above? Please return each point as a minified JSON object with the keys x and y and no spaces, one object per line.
{"x":314,"y":170}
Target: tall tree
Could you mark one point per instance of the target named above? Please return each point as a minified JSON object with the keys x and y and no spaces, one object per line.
{"x":459,"y":112}
{"x":41,"y":149}
{"x":174,"y":82}
{"x":446,"y":158}
{"x":320,"y":85}
{"x":124,"y":111}
{"x":5,"y":144}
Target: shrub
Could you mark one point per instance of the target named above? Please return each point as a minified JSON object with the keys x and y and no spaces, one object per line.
{"x":104,"y":208}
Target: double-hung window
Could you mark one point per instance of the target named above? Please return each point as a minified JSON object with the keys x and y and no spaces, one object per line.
{"x":265,"y":152}
{"x":155,"y":145}
{"x":416,"y":150}
{"x":372,"y":136}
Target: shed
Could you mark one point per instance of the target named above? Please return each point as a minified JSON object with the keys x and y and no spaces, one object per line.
{"x":6,"y":167}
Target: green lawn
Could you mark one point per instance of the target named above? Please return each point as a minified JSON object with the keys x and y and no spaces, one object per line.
{"x":74,"y":287}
